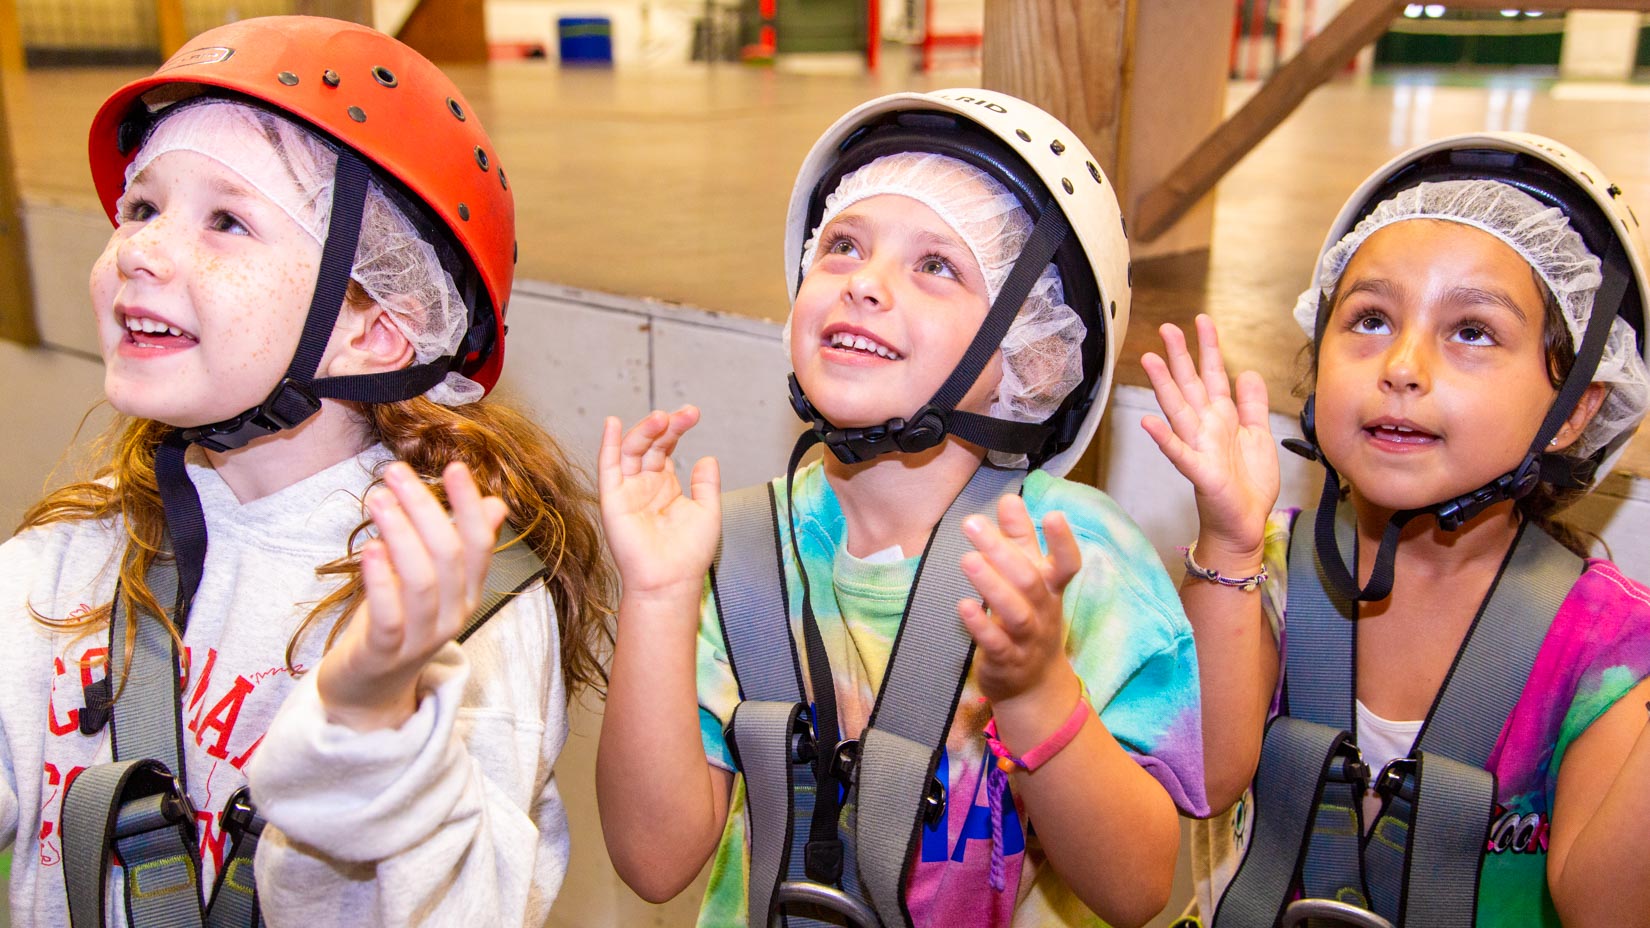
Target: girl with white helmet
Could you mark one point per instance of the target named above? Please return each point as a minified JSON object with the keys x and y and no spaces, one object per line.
{"x":232,"y":652}
{"x":969,"y":684}
{"x":1455,"y":731}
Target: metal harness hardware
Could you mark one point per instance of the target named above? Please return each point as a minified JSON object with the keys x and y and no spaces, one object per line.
{"x":1419,"y":863}
{"x":887,"y":776}
{"x":138,"y":806}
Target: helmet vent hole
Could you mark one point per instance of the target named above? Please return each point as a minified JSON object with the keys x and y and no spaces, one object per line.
{"x":464,"y":211}
{"x":1065,"y":183}
{"x":1125,"y":221}
{"x":357,"y":114}
{"x":330,"y":78}
{"x":383,"y":75}
{"x":1094,"y":172}
{"x":287,"y":78}
{"x":1057,"y":146}
{"x":502,"y":180}
{"x":481,"y":159}
{"x":454,"y":108}
{"x":1114,"y":309}
{"x":1023,"y":134}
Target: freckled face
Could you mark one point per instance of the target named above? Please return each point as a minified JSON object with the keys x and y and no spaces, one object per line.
{"x":892,"y":301}
{"x":200,"y":295}
{"x":1432,"y":373}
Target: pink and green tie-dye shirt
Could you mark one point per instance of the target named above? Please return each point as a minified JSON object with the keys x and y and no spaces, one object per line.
{"x":1597,"y":649}
{"x":1128,"y":640}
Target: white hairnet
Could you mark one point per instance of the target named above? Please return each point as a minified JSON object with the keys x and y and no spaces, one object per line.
{"x":1542,"y":236}
{"x":292,"y":168}
{"x":1042,"y":352}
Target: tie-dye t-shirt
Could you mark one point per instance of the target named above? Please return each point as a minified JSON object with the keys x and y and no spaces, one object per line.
{"x":1128,"y":640}
{"x":1597,"y":649}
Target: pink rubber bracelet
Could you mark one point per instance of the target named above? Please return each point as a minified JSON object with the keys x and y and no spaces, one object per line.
{"x":1052,"y":745}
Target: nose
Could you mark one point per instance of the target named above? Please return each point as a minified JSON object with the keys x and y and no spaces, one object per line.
{"x":868,"y":286}
{"x":1406,"y":367}
{"x":146,"y":252}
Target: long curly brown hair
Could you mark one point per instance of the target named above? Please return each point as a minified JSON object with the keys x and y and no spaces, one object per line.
{"x":551,"y":506}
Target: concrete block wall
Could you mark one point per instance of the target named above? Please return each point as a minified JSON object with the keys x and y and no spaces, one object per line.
{"x":575,"y":357}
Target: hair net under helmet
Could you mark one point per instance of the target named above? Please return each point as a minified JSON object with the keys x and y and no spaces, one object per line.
{"x":1042,"y":352}
{"x":1542,"y":236}
{"x":294,"y":169}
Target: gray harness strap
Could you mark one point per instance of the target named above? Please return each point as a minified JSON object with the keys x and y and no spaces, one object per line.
{"x":769,"y":733}
{"x":901,"y":745}
{"x":138,"y":805}
{"x":899,"y":749}
{"x":1419,"y":865}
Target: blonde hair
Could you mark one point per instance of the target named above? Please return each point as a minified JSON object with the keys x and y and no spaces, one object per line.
{"x":511,"y":457}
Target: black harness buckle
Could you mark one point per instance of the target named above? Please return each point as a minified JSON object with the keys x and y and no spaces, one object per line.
{"x":240,"y":817}
{"x":1347,"y":765}
{"x":290,"y":403}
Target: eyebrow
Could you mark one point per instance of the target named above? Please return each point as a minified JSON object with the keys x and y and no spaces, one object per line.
{"x":1379,"y":286}
{"x":226,"y":187}
{"x":1476,"y":296}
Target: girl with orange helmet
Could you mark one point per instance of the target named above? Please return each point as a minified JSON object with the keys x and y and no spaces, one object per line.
{"x":233,"y":650}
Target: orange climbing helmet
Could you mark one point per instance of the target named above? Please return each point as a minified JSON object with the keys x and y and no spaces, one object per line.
{"x":365,"y":91}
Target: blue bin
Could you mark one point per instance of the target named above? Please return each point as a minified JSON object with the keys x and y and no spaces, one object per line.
{"x":585,"y":39}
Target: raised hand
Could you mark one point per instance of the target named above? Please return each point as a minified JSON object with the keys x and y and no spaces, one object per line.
{"x":1221,"y":443}
{"x":1019,"y":629}
{"x":662,"y":540}
{"x":423,"y":576}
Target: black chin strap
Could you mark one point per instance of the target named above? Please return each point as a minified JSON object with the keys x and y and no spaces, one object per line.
{"x":939,"y":417}
{"x":1515,"y":484}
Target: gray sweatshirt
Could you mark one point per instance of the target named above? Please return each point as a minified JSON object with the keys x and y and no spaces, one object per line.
{"x":454,"y":818}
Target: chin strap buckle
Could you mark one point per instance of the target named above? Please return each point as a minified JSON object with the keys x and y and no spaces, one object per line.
{"x":1513,"y":485}
{"x":289,"y":404}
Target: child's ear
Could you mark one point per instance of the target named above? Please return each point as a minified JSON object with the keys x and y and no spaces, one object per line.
{"x":1586,"y":408}
{"x":365,"y":341}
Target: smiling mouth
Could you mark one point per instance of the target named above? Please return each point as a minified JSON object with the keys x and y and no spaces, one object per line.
{"x":847,"y":341}
{"x":1400,"y":434}
{"x":148,"y":332}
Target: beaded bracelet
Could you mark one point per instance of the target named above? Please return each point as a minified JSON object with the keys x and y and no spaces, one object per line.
{"x":1246,"y":584}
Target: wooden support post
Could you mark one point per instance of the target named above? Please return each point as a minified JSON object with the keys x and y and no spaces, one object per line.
{"x":1066,"y":56}
{"x":169,"y":25}
{"x":16,"y":290}
{"x":11,"y":38}
{"x":1358,"y":24}
{"x":447,"y":31}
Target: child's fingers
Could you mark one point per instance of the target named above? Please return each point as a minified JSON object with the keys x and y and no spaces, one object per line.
{"x":988,"y":636}
{"x":1209,"y":358}
{"x":1008,"y":601}
{"x":1181,"y":366}
{"x":636,"y":442}
{"x":1178,"y":413}
{"x":1168,"y":442}
{"x":407,"y":553}
{"x":477,"y":521}
{"x":437,"y":535}
{"x":608,"y":474}
{"x":1015,"y":523}
{"x":1065,"y":558}
{"x":385,"y":628}
{"x":1253,"y":408}
{"x":677,"y":424}
{"x":705,"y":483}
{"x":1013,"y":563}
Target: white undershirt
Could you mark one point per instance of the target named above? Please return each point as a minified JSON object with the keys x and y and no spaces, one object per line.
{"x":1381,"y":741}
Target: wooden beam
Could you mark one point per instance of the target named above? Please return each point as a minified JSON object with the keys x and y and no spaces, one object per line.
{"x":11,"y":38}
{"x":447,"y":31}
{"x":16,"y":289}
{"x":1358,"y":24}
{"x":172,"y":32}
{"x":1066,"y":56}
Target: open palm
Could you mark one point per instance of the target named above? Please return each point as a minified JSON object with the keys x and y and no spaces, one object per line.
{"x":1220,"y":441}
{"x":661,"y":538}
